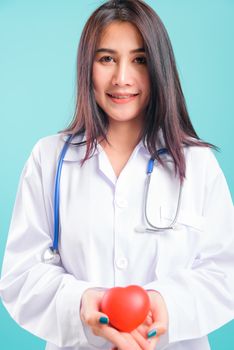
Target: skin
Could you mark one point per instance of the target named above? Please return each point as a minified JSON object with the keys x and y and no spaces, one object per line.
{"x":157,"y":318}
{"x":122,"y":71}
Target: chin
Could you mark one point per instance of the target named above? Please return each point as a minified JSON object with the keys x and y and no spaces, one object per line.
{"x":124,"y":119}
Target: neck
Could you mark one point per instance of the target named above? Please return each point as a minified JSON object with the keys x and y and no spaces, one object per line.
{"x":123,"y":136}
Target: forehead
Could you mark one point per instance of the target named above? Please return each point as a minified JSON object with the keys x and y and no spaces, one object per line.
{"x":120,"y":32}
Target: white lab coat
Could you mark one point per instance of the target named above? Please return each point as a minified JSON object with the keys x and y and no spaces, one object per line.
{"x":192,"y":266}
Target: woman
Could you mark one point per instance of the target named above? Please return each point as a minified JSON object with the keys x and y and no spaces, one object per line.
{"x":129,"y":106}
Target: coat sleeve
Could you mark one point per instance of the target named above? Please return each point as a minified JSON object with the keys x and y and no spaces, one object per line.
{"x":42,"y":298}
{"x":200,"y":299}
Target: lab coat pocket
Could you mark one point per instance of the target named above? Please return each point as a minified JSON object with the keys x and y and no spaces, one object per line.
{"x":186,"y":218}
{"x":178,"y":247}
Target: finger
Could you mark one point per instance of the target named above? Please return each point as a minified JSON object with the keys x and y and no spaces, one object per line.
{"x":89,"y":311}
{"x":136,"y":340}
{"x":94,"y":318}
{"x":140,"y":339}
{"x":159,"y":309}
{"x":114,"y":337}
{"x":143,"y":329}
{"x":91,"y":299}
{"x":157,"y":328}
{"x":149,"y":319}
{"x":152,"y":343}
{"x":150,"y":315}
{"x":159,"y":315}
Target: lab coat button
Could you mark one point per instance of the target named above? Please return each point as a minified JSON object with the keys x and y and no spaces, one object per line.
{"x":121,"y":202}
{"x":122,"y":263}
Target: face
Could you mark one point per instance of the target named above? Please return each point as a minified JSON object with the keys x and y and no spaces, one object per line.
{"x":120,"y":75}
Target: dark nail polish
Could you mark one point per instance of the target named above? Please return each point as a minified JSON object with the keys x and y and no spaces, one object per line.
{"x":152,"y":333}
{"x":103,"y":320}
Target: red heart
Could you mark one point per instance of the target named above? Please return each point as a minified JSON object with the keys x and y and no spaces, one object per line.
{"x":126,"y":307}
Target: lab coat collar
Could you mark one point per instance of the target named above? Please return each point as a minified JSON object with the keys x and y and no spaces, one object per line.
{"x":77,"y":153}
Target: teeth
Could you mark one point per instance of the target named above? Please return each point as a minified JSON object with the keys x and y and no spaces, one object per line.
{"x":119,"y":97}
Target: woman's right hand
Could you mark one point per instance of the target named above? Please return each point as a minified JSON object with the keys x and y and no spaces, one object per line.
{"x":90,"y":316}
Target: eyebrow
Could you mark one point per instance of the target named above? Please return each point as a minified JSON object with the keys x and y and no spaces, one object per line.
{"x":140,"y":49}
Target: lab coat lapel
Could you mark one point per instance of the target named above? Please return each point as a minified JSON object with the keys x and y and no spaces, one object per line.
{"x":76,"y":153}
{"x":106,"y":168}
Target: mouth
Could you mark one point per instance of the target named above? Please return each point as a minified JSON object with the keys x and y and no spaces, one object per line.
{"x":122,"y":98}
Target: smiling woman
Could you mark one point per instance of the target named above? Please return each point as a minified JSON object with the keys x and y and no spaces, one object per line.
{"x":121,"y":87}
{"x":130,"y":159}
{"x":130,"y":35}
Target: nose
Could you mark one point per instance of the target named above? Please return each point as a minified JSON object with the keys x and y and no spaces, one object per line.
{"x":122,"y":74}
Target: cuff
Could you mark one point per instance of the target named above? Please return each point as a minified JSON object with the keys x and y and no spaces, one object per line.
{"x":72,"y":331}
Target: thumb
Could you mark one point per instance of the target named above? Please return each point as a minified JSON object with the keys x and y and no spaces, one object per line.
{"x":156,"y":329}
{"x":102,"y":318}
{"x":94,"y":318}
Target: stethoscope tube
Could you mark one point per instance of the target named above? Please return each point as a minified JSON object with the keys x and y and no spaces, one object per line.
{"x":153,"y":228}
{"x":57,"y":194}
{"x":51,"y":255}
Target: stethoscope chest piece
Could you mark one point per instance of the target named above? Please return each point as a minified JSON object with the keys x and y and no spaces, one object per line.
{"x":51,"y":256}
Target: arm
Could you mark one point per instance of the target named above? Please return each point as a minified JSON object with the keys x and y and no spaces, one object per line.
{"x":44,"y":299}
{"x":200,"y":299}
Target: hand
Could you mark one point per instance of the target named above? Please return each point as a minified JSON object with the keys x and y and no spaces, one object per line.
{"x":90,"y":315}
{"x":157,"y":320}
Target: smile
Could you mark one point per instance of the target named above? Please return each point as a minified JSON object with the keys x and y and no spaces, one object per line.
{"x":122,"y":99}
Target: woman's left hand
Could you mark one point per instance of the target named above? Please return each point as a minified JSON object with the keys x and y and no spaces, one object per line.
{"x":156,"y":323}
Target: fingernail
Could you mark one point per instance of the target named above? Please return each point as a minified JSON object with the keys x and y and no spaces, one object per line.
{"x":152,"y":333}
{"x":103,"y":320}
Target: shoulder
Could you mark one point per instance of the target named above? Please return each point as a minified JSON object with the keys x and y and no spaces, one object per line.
{"x":49,"y":143}
{"x":204,"y":178}
{"x":44,"y":154}
{"x":200,"y":155}
{"x":47,"y":149}
{"x":202,"y":162}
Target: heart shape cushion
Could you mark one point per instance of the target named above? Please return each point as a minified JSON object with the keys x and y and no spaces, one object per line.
{"x":126,"y":307}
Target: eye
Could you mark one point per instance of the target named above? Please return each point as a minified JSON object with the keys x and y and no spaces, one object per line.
{"x":105,"y":59}
{"x":141,"y":60}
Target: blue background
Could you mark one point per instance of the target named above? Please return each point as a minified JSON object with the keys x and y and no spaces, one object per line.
{"x":38,"y":46}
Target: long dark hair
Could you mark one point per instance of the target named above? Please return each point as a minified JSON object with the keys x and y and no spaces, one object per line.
{"x":167,"y":109}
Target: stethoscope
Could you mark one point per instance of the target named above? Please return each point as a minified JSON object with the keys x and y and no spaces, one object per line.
{"x":51,"y":255}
